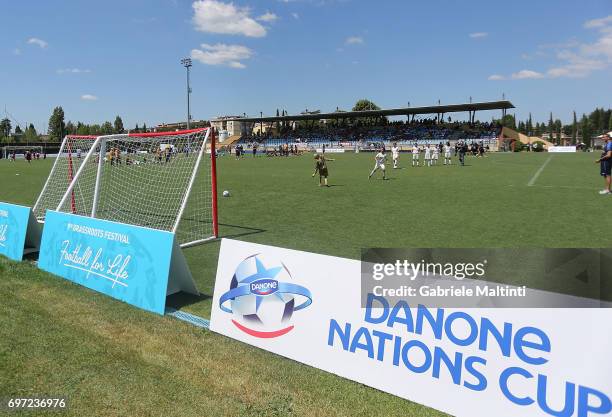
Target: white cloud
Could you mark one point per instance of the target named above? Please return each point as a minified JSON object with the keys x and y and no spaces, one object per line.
{"x":89,"y":97}
{"x":354,"y":40}
{"x":295,"y":15}
{"x":527,"y":74}
{"x":16,"y":51}
{"x":73,"y":71}
{"x":496,"y":77}
{"x":576,"y":59}
{"x":598,"y":23}
{"x":213,"y":16}
{"x":581,"y":60}
{"x":478,"y":35}
{"x":222,"y":54}
{"x":268,"y":17}
{"x":39,"y":42}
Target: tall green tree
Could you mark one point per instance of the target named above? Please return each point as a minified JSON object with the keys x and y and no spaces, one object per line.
{"x":82,"y":129}
{"x":56,"y":124}
{"x":585,"y":130}
{"x":70,"y":128}
{"x":530,"y":126}
{"x":118,"y":125}
{"x":558,"y":127}
{"x":106,"y":128}
{"x":144,"y":128}
{"x":30,"y":133}
{"x":365,"y":104}
{"x":574,"y":129}
{"x":508,"y":121}
{"x":5,"y":128}
{"x":551,"y":127}
{"x":538,"y":130}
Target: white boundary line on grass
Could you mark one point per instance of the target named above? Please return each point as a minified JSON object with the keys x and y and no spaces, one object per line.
{"x":538,"y":172}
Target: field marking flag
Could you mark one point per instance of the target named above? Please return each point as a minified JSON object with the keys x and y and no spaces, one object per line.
{"x":134,"y":264}
{"x":19,"y":231}
{"x":471,"y":362}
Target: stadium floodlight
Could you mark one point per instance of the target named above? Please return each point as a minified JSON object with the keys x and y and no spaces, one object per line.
{"x":186,"y":62}
{"x":163,"y":180}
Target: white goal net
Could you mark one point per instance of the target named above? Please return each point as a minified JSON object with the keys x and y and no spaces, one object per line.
{"x":158,"y":180}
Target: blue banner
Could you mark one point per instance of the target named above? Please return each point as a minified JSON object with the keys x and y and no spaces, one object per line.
{"x":13,"y":229}
{"x":129,"y":263}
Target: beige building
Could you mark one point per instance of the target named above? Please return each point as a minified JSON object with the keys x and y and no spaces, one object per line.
{"x":229,"y":125}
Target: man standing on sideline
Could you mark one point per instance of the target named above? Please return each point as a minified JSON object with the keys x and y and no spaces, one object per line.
{"x":605,"y":163}
{"x":462,"y":151}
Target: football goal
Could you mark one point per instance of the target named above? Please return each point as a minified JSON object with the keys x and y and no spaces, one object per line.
{"x":19,"y":150}
{"x":163,"y":180}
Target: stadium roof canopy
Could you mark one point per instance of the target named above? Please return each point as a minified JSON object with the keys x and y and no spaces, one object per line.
{"x":405,"y":111}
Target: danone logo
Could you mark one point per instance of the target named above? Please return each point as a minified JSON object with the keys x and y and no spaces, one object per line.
{"x":262,"y":297}
{"x":264,"y":287}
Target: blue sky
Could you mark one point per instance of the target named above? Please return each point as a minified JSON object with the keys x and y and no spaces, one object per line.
{"x":98,"y":59}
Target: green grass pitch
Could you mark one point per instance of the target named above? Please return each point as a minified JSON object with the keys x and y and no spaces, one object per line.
{"x":112,"y":359}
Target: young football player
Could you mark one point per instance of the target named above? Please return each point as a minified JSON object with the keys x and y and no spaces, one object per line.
{"x":447,"y":154}
{"x":379,"y":164}
{"x":321,"y":168}
{"x":436,"y":155}
{"x":427,"y":156}
{"x":395,"y":154}
{"x":415,"y":155}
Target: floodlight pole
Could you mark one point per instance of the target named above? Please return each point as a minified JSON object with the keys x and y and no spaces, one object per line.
{"x":186,"y":62}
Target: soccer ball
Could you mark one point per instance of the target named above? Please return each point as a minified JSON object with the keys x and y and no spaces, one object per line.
{"x":262,"y":312}
{"x":226,"y":193}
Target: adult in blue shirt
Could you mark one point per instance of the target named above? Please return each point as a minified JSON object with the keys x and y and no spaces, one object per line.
{"x":605,"y":163}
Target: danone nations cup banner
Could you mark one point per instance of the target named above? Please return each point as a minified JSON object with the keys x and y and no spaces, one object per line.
{"x":134,"y":264}
{"x":467,"y":362}
{"x":19,"y":231}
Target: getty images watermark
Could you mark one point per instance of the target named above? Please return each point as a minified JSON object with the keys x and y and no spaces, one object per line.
{"x":489,"y":277}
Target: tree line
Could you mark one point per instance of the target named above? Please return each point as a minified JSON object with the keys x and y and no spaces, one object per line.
{"x":58,"y":128}
{"x":596,"y":123}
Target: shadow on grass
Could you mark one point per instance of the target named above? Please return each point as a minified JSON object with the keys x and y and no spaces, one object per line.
{"x":183,"y":299}
{"x":241,"y":230}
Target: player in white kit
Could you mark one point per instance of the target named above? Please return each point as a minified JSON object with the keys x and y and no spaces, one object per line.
{"x":436,"y":155}
{"x":415,"y":155}
{"x":427,"y":156}
{"x":379,"y":164}
{"x":395,"y":154}
{"x":447,"y":153}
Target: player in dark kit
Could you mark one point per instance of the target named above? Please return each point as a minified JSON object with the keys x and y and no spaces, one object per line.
{"x":605,"y":163}
{"x":321,"y":168}
{"x":462,"y":151}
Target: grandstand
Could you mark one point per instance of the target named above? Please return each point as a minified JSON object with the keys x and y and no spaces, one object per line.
{"x":405,"y":135}
{"x":367,"y":129}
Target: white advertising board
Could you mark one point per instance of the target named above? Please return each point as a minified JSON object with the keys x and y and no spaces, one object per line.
{"x":562,"y":149}
{"x":476,"y":362}
{"x":330,"y":150}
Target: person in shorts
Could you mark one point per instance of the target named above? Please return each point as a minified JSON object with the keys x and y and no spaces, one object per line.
{"x":605,"y":164}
